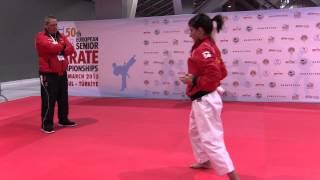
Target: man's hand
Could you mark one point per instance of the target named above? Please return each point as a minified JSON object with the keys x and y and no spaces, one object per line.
{"x":64,"y":47}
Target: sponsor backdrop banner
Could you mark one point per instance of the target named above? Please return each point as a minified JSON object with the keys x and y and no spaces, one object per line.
{"x":271,"y":55}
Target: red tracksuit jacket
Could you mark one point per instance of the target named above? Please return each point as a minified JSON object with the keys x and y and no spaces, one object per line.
{"x":206,"y":65}
{"x":48,"y":52}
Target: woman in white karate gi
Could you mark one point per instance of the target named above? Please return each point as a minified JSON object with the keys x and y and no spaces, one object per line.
{"x":205,"y":71}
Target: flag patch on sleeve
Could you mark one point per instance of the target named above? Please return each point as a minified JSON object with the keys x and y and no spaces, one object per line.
{"x":207,"y":54}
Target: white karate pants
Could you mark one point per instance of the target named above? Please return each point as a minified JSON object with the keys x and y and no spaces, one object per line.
{"x":206,"y":133}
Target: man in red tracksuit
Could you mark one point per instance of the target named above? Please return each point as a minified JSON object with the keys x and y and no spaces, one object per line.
{"x":52,"y":48}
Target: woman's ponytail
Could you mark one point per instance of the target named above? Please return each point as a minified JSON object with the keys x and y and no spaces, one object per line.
{"x":219,"y":20}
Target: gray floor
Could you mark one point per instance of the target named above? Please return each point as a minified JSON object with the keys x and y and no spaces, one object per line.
{"x":19,"y":89}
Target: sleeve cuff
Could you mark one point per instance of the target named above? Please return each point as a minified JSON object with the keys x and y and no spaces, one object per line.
{"x":194,"y":80}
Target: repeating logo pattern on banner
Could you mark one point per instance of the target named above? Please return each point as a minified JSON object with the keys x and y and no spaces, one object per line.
{"x":270,"y":56}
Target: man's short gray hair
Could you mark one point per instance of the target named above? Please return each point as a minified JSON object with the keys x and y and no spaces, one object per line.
{"x":48,"y":18}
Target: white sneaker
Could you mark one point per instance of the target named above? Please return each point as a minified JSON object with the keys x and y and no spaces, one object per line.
{"x":47,"y":131}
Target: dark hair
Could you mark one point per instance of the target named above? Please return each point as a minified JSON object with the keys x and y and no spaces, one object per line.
{"x":205,"y":22}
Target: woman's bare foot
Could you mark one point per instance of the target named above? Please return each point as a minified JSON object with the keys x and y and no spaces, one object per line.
{"x":233,"y":176}
{"x":205,"y":165}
